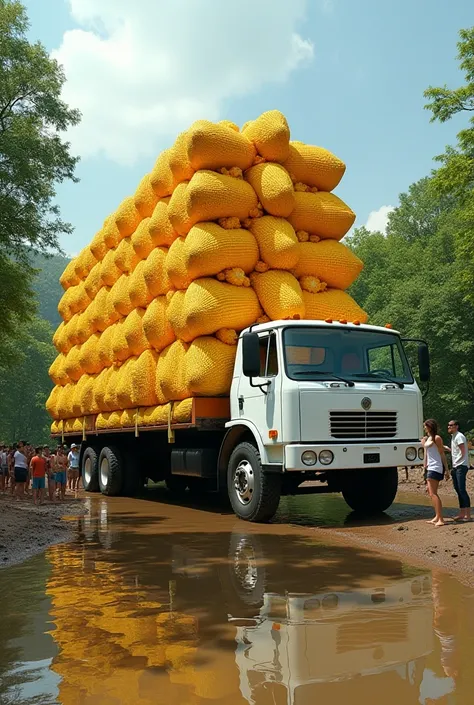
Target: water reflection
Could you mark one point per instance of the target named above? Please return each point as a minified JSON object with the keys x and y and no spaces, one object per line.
{"x":166,"y":605}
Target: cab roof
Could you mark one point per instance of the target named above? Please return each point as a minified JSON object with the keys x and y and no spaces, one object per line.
{"x":271,"y":325}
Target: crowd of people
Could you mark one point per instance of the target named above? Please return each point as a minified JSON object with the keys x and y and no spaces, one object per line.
{"x":25,"y":469}
{"x":436,"y":468}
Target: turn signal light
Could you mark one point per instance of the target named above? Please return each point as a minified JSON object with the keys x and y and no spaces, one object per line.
{"x":328,"y":320}
{"x":343,"y":321}
{"x":273,"y":434}
{"x":388,"y":325}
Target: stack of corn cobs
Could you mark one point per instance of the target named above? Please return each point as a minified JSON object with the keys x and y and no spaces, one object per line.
{"x":231,"y":227}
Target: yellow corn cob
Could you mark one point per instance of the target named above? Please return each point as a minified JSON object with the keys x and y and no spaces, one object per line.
{"x":64,"y":305}
{"x":89,"y":404}
{"x":125,"y":257}
{"x":145,"y":198}
{"x":120,"y":296}
{"x":125,"y":384}
{"x":161,"y":230}
{"x":62,"y":338}
{"x":175,"y":265}
{"x":154,"y":415}
{"x":55,"y":427}
{"x":72,"y":331}
{"x":333,"y":304}
{"x":89,"y":356}
{"x":69,"y":425}
{"x":115,"y":420}
{"x":156,"y":326}
{"x":119,"y":342}
{"x":176,"y":314}
{"x":270,"y":134}
{"x":177,"y":211}
{"x":210,"y":305}
{"x":64,"y":401}
{"x":274,"y":188}
{"x":180,"y":165}
{"x":142,"y":241}
{"x":98,"y":246}
{"x":77,"y":396}
{"x":100,"y":387}
{"x":127,"y":217}
{"x":84,"y":263}
{"x":170,"y":384}
{"x":110,"y":397}
{"x":161,"y":177}
{"x":69,"y":277}
{"x":58,"y":337}
{"x":53,"y":401}
{"x":154,"y":272}
{"x":209,"y":249}
{"x":93,"y":282}
{"x":102,"y":421}
{"x":209,"y":366}
{"x":230,"y":124}
{"x":84,"y":328}
{"x":72,"y":364}
{"x":210,"y":196}
{"x":213,"y":146}
{"x":57,"y":371}
{"x":134,"y":333}
{"x":279,"y":294}
{"x":111,"y":233}
{"x":139,"y":293}
{"x":277,"y":241}
{"x":99,"y":317}
{"x":79,"y":299}
{"x":128,"y":418}
{"x":109,"y":271}
{"x":106,"y":350}
{"x":329,"y":261}
{"x":143,"y":379}
{"x":323,"y":214}
{"x":182,"y":410}
{"x":314,"y":166}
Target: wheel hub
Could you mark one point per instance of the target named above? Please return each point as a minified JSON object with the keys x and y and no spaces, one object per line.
{"x":104,"y":472}
{"x":88,"y":470}
{"x":244,"y":482}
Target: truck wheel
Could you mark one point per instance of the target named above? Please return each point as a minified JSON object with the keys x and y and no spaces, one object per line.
{"x":370,"y":491}
{"x":110,"y":471}
{"x":90,"y":470}
{"x":254,"y":495}
{"x":177,"y":484}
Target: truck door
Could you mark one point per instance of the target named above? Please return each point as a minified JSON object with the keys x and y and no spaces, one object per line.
{"x":262,"y":404}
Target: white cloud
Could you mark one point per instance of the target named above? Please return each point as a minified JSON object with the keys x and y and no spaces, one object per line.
{"x":378,"y":220}
{"x":140,"y":71}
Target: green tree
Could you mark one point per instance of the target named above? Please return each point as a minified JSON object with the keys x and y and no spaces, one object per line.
{"x":33,"y":159}
{"x":24,"y":393}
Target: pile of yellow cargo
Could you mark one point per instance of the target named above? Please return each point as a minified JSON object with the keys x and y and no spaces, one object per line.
{"x":231,"y":227}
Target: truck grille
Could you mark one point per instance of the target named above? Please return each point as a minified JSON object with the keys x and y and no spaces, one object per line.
{"x":363,"y":424}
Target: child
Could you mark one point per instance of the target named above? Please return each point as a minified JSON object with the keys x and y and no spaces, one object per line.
{"x":38,"y":471}
{"x":60,"y":477}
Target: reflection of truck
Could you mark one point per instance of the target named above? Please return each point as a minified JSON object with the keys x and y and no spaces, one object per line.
{"x":331,"y":402}
{"x":311,"y":648}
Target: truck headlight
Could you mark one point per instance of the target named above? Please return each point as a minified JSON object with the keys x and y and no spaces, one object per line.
{"x":421,"y":453}
{"x":410,"y":454}
{"x":309,"y":457}
{"x":326,"y":457}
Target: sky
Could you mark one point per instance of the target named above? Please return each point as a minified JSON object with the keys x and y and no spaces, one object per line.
{"x":348,"y":74}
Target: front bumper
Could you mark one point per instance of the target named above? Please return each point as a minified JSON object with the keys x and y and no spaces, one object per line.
{"x":352,"y":456}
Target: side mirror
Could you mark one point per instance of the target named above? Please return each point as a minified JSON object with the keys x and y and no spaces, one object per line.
{"x":424,"y":362}
{"x":251,"y":355}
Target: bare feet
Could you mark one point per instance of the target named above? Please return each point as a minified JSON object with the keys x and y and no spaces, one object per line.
{"x":458,"y":518}
{"x":440,"y":523}
{"x":432,"y":521}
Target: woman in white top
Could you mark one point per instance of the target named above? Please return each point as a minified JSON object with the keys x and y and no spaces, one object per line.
{"x":436,"y":466}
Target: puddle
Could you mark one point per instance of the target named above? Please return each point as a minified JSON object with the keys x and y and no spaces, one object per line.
{"x":164,"y":604}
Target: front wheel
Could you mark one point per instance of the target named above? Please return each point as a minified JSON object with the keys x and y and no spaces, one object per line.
{"x":90,"y":470}
{"x":110,"y":471}
{"x":370,"y":491}
{"x":254,"y":494}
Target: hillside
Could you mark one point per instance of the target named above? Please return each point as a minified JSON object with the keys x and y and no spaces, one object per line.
{"x":47,"y":287}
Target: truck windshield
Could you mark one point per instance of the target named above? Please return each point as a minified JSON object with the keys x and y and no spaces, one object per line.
{"x":351,"y":354}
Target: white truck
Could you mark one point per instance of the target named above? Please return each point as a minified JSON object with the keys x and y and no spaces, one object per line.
{"x":332,"y":403}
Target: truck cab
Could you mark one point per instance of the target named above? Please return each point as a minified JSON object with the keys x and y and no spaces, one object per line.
{"x":329,"y":402}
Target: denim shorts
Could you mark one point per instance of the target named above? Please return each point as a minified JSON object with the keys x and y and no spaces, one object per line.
{"x":3,"y":470}
{"x":39,"y":483}
{"x":435,"y":475}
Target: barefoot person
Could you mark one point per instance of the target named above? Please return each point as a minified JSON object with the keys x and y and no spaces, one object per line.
{"x":60,"y":477}
{"x":73,"y":467}
{"x":20,"y":461}
{"x":436,"y":466}
{"x":460,"y":465}
{"x":38,"y":472}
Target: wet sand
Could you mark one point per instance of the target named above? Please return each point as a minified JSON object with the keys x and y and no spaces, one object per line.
{"x":26,"y":530}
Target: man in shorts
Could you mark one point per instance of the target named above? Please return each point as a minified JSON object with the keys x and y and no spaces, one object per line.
{"x":73,"y":465}
{"x":60,"y":472}
{"x":38,"y":472}
{"x":50,"y":472}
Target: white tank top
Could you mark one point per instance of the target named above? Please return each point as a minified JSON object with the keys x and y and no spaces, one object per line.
{"x":433,"y":457}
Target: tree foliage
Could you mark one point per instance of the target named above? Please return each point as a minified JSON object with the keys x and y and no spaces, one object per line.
{"x":33,"y":159}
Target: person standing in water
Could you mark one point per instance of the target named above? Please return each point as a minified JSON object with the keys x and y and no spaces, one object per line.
{"x":436,"y":466}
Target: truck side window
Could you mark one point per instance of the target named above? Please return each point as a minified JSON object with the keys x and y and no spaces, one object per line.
{"x":268,"y":356}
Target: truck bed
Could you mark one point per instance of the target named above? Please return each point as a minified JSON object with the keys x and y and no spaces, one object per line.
{"x":207,"y":413}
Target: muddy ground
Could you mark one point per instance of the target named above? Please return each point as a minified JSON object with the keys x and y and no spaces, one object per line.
{"x":26,"y":530}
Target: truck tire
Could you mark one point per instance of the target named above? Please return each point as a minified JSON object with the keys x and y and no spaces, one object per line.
{"x":110,"y":471}
{"x":90,"y":470}
{"x":370,"y":491}
{"x":254,"y":494}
